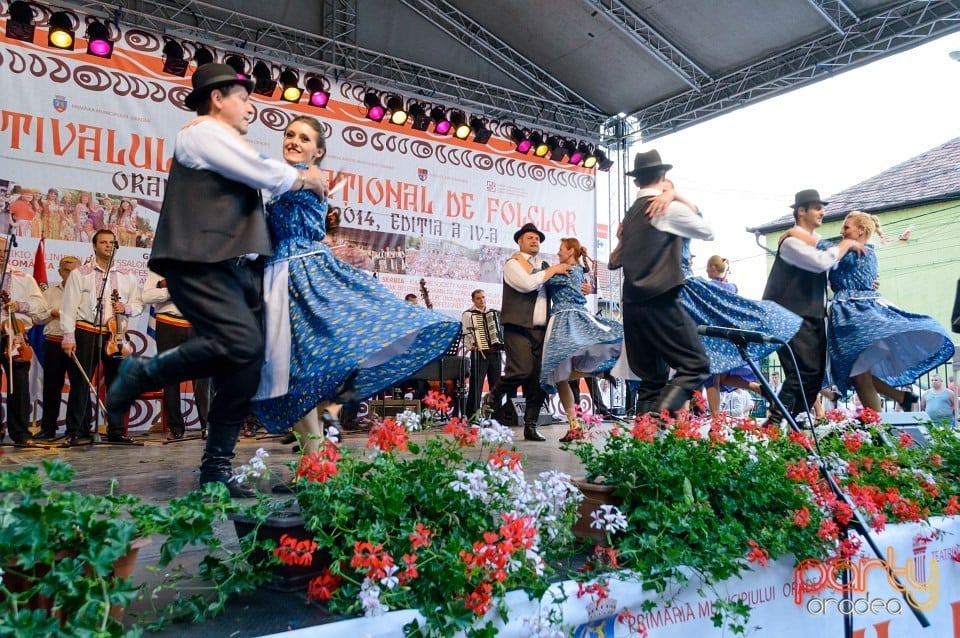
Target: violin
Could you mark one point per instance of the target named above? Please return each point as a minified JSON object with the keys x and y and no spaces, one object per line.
{"x":118,"y":345}
{"x":15,"y":346}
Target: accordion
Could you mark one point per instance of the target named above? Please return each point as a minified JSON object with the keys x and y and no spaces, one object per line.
{"x":487,"y":330}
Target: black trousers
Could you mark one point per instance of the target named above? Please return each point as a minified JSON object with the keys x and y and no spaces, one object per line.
{"x":55,"y":366}
{"x":809,"y":347}
{"x":78,"y":401}
{"x":170,"y":336}
{"x":658,"y":335}
{"x":483,"y":365}
{"x":524,"y":347}
{"x":18,"y":401}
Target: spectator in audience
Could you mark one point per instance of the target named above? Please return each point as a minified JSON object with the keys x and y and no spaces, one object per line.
{"x":939,"y":402}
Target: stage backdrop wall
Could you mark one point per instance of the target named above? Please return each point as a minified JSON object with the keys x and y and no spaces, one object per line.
{"x":415,"y":206}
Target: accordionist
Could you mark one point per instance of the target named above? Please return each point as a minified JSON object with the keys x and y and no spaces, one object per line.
{"x":484,"y":364}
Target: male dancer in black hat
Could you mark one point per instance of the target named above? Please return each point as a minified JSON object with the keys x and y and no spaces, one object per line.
{"x":658,"y":333}
{"x":209,"y":240}
{"x":798,"y":282}
{"x":524,"y":319}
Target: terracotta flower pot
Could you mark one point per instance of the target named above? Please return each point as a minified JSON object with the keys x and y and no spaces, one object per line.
{"x":122,"y":568}
{"x":285,"y":577}
{"x":594,"y":495}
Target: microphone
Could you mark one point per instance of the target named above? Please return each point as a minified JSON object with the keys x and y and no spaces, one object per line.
{"x":736,"y":335}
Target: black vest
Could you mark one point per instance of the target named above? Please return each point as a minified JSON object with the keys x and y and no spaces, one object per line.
{"x":207,"y":218}
{"x":517,"y":307}
{"x":796,"y":289}
{"x":650,"y":257}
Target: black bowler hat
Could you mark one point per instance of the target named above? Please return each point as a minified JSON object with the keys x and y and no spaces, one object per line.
{"x":529,"y":227}
{"x":805,"y":197}
{"x":211,"y":76}
{"x":647,"y":163}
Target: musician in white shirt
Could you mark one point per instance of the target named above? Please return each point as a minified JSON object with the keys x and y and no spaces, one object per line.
{"x":55,"y":361}
{"x":483,"y":364}
{"x":83,"y":327}
{"x":172,"y":330}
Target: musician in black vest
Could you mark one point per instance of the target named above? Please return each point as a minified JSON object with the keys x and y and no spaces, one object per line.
{"x":658,"y":333}
{"x":524,"y":319}
{"x":210,"y":240}
{"x":798,"y":282}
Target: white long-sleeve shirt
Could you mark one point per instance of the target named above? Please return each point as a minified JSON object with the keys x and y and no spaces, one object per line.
{"x":520,"y":280}
{"x":80,"y":297}
{"x":23,"y":289}
{"x":212,"y":145}
{"x":799,"y":253}
{"x":159,"y":297}
{"x":53,"y":296}
{"x":679,"y":219}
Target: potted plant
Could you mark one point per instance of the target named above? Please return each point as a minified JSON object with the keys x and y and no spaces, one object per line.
{"x":710,"y":497}
{"x":67,"y":558}
{"x":446,"y":526}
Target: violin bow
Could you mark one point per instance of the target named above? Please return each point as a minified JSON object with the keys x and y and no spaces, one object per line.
{"x":83,"y":372}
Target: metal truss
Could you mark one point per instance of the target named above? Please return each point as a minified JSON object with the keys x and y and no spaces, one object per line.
{"x":628,"y":21}
{"x":343,"y":59}
{"x":901,"y":27}
{"x":836,"y":13}
{"x":478,"y":39}
{"x":338,"y":21}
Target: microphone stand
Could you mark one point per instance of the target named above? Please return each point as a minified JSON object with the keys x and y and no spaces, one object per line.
{"x":857,"y":523}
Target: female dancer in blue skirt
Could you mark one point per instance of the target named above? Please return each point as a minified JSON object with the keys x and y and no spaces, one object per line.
{"x":329,"y":325}
{"x":577,"y":344}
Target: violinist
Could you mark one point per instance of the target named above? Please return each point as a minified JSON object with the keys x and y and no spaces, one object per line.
{"x":83,"y":328}
{"x":55,"y":362}
{"x":22,"y":306}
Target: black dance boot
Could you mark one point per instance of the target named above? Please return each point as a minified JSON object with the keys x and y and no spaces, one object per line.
{"x":530,"y":432}
{"x":671,"y":398}
{"x":217,"y":454}
{"x":135,"y":376}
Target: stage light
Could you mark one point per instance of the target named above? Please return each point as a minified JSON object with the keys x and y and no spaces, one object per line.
{"x":557,"y":151}
{"x":290,"y":81}
{"x":62,"y":28}
{"x":421,"y":121}
{"x":173,"y":59}
{"x":375,"y":110}
{"x":522,"y":139}
{"x":459,"y":125}
{"x":590,"y":159}
{"x":398,"y":115}
{"x":20,"y":23}
{"x":238,"y":63}
{"x":540,"y":148}
{"x":577,"y":152}
{"x":99,"y":43}
{"x":603,"y":164}
{"x":438,"y":115}
{"x":263,"y":82}
{"x":481,"y":134}
{"x":318,"y":88}
{"x":202,"y":55}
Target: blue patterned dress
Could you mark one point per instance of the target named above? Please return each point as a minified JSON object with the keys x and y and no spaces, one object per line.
{"x":576,"y":340}
{"x":326,"y":319}
{"x":712,"y":305}
{"x":865,"y":332}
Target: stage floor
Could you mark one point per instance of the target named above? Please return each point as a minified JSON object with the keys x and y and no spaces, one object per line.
{"x":158,"y":472}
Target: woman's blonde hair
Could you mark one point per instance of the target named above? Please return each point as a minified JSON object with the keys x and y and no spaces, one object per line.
{"x":579,"y":251}
{"x":721,"y":264}
{"x":866,"y":221}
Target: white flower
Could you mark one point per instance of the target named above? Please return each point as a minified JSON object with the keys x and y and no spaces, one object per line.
{"x":609,"y":518}
{"x":409,"y":419}
{"x":538,"y":627}
{"x":492,"y":433}
{"x":390,"y":580}
{"x":370,"y":599}
{"x":255,"y":469}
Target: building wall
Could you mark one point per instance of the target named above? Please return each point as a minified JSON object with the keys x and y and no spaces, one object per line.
{"x":918,"y":274}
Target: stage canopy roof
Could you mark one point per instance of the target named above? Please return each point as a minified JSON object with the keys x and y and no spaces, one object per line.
{"x":568,"y":66}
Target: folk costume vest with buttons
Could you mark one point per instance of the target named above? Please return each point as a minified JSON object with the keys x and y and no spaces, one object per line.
{"x":518,"y":306}
{"x":207,"y":218}
{"x":796,"y":289}
{"x":650,"y":257}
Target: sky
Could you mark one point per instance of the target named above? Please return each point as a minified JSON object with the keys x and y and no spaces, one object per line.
{"x":742,"y":168}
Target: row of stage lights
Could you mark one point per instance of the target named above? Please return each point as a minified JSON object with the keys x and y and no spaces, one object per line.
{"x":455,"y":122}
{"x":101,"y":35}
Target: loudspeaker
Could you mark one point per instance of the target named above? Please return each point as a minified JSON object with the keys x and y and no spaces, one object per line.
{"x":544,"y":418}
{"x":913,"y":423}
{"x":392,"y":407}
